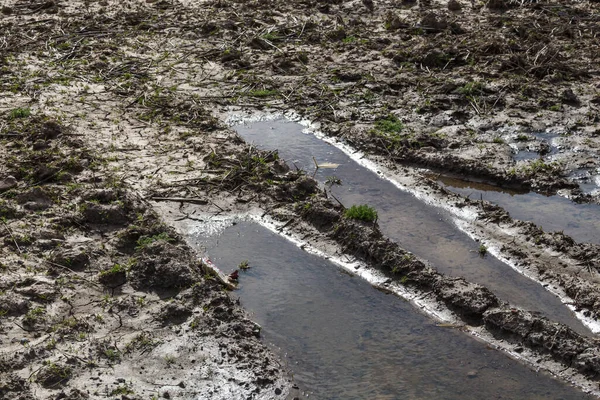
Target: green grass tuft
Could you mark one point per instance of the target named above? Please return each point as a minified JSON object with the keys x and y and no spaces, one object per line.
{"x":390,"y":125}
{"x":19,"y":113}
{"x":362,"y":212}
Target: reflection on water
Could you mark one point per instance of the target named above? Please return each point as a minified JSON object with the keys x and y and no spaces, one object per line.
{"x":417,"y":227}
{"x":552,"y":213}
{"x":345,"y":340}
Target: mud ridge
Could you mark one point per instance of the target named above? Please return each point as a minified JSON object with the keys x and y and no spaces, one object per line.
{"x":474,"y":304}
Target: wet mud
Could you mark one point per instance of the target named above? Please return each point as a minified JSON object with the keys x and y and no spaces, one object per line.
{"x":552,"y":213}
{"x":342,"y":339}
{"x":425,"y":231}
{"x":111,"y":109}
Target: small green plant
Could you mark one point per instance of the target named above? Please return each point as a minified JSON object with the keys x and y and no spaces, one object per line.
{"x":115,"y":269}
{"x":146,"y":241}
{"x":262,"y":93}
{"x":471,"y":89}
{"x":121,"y":390}
{"x":142,"y":342}
{"x":170,"y":359}
{"x":390,"y":125}
{"x":53,"y":375}
{"x":362,"y":212}
{"x":333,"y":180}
{"x":112,"y":355}
{"x":498,"y":140}
{"x":271,"y":36}
{"x":483,"y":250}
{"x":19,"y":113}
{"x":51,"y":344}
{"x":555,"y":107}
{"x":34,"y":315}
{"x":244,"y":265}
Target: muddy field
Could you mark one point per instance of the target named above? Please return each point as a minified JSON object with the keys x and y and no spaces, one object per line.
{"x":113,"y":110}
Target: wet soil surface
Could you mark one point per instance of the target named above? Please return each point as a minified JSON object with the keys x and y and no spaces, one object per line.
{"x":99,"y":298}
{"x":426,"y":231}
{"x":552,"y":213}
{"x":343,"y":339}
{"x":106,"y":106}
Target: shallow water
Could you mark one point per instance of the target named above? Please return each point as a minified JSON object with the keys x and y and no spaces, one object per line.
{"x":541,"y":145}
{"x":552,"y":213}
{"x":343,"y":339}
{"x":422,"y":229}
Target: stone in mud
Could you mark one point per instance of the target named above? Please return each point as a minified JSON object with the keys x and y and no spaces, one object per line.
{"x":305,"y":186}
{"x":72,"y":394}
{"x":35,"y":195}
{"x":103,"y":196}
{"x":337,"y":34}
{"x":7,"y":183}
{"x":38,"y":289}
{"x":231,"y":55}
{"x":279,"y":167}
{"x":297,"y":189}
{"x":321,"y":217}
{"x":40,"y":145}
{"x":542,"y":335}
{"x":585,"y":292}
{"x":44,"y":173}
{"x":348,"y":76}
{"x":432,"y":23}
{"x":7,"y":211}
{"x":498,"y":4}
{"x":393,"y":22}
{"x":258,"y":44}
{"x":588,"y":361}
{"x":568,"y":97}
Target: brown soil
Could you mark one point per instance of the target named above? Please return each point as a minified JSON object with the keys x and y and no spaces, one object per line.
{"x":108,"y":105}
{"x":99,"y":298}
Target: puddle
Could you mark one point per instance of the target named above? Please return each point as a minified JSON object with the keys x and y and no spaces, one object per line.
{"x":552,"y":213}
{"x":534,"y":145}
{"x":588,"y":179}
{"x":550,"y":146}
{"x":426,"y":231}
{"x":342,"y":339}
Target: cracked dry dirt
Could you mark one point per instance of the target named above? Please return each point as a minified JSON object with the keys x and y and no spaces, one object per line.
{"x":109,"y":105}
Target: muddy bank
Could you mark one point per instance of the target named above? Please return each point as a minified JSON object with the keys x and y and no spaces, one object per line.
{"x":301,"y":207}
{"x":473,"y":304}
{"x":416,"y":82}
{"x":99,"y":297}
{"x":144,"y":84}
{"x":404,"y":197}
{"x":552,"y":213}
{"x":342,"y":339}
